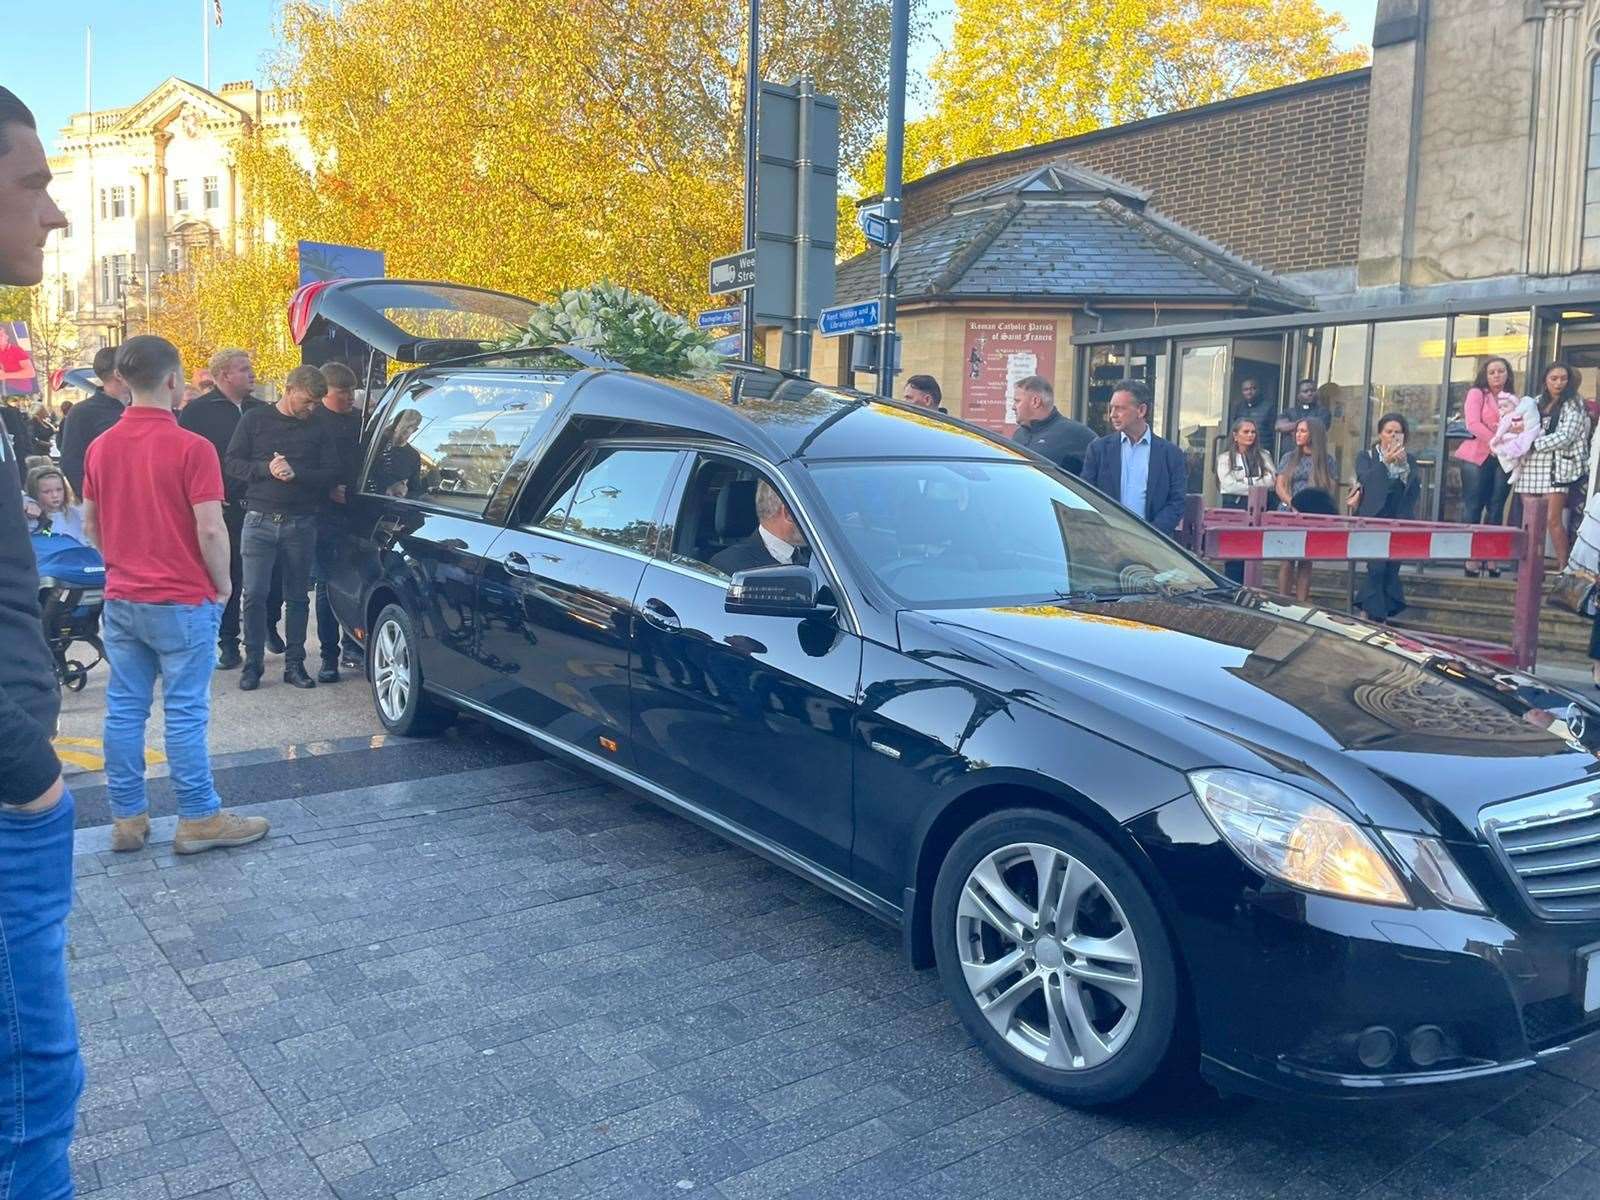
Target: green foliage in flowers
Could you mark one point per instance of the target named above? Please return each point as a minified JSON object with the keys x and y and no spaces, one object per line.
{"x":626,"y":326}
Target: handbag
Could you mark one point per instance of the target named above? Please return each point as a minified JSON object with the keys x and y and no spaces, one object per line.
{"x":1574,"y":590}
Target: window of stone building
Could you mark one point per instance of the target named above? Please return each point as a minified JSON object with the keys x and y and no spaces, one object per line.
{"x":213,"y":192}
{"x":1591,"y":176}
{"x":113,"y":276}
{"x":180,"y":195}
{"x":119,"y":202}
{"x":1408,"y":378}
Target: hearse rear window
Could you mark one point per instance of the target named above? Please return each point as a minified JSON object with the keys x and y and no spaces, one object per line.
{"x":448,"y":442}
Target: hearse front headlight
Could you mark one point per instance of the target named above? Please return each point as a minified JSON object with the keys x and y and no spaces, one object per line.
{"x":1291,"y":835}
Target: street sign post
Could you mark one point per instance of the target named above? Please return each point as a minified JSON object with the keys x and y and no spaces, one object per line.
{"x":849,"y":318}
{"x":733,"y":273}
{"x":797,"y":194}
{"x":716,"y":318}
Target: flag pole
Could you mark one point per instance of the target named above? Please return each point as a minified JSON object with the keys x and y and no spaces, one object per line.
{"x":205,"y":35}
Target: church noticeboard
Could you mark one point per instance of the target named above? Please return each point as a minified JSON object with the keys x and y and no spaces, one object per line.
{"x":996,"y":354}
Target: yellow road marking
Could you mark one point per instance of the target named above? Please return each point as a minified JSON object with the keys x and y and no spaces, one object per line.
{"x":88,"y":754}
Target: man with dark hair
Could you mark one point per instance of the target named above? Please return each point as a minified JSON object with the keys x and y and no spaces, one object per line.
{"x":287,"y":466}
{"x":1255,"y":405}
{"x":39,"y":1060}
{"x":1042,"y":429}
{"x":923,"y":391}
{"x":341,"y":425}
{"x":214,"y":416}
{"x":1147,"y":474}
{"x":1308,"y":405}
{"x":93,"y":417}
{"x":152,"y":503}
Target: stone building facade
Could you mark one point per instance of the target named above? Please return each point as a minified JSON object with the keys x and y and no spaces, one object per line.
{"x":144,"y":187}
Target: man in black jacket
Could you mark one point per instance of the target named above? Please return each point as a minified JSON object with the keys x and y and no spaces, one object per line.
{"x":92,"y":417}
{"x":287,"y":465}
{"x":1042,"y":429}
{"x":341,"y":425}
{"x":39,"y":1046}
{"x":214,"y":416}
{"x":777,"y":540}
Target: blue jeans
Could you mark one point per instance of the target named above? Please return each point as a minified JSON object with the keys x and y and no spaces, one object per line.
{"x":41,"y":1074}
{"x":175,"y":641}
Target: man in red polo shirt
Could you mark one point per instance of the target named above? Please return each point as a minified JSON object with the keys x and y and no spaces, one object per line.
{"x":153,"y":505}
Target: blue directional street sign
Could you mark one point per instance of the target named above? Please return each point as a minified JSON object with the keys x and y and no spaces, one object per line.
{"x":718,"y":317}
{"x":848,"y":318}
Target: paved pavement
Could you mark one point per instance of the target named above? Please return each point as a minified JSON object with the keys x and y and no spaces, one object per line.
{"x":514,"y":981}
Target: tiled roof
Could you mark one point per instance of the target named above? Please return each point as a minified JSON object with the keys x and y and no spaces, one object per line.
{"x":1063,"y":232}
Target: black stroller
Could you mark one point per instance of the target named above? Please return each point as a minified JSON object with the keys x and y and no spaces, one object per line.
{"x":72,"y":580}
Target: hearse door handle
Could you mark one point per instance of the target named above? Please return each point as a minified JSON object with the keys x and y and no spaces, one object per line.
{"x":516,"y":563}
{"x":660,"y":614}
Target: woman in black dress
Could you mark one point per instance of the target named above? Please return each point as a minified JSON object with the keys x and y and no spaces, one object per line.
{"x":1388,"y":484}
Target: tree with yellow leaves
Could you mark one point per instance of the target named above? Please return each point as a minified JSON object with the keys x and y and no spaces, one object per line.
{"x":532,"y":145}
{"x":1022,"y":72}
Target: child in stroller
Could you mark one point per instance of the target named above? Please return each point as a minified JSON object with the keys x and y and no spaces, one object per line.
{"x":72,"y":578}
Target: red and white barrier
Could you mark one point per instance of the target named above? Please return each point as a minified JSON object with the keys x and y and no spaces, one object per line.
{"x":1446,"y":545}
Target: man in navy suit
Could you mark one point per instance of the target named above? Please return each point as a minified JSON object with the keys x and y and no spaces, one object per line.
{"x":1146,"y":473}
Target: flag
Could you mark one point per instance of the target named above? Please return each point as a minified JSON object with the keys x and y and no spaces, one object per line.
{"x":216,"y":12}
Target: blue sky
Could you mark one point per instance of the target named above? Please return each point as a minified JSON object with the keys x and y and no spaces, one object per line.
{"x":138,"y":43}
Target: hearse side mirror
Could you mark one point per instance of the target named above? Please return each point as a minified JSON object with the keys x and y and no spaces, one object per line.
{"x":783,"y":591}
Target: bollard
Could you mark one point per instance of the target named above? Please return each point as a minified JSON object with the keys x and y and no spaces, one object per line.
{"x":1530,"y":583}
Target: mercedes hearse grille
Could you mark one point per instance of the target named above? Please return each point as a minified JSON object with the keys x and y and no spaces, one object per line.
{"x":1552,"y":844}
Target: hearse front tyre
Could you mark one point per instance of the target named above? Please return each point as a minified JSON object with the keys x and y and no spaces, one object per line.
{"x":396,"y":678}
{"x":1055,"y":957}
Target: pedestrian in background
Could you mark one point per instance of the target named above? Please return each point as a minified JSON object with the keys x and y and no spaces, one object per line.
{"x":924,"y":392}
{"x":58,"y":512}
{"x":287,"y":466}
{"x":153,"y":507}
{"x":341,"y":425}
{"x":214,"y":416}
{"x":1243,"y":465}
{"x":1146,"y":474}
{"x":1309,"y":404}
{"x":1492,"y":393}
{"x":92,"y":417}
{"x":1042,"y":429}
{"x":1558,"y":454}
{"x":41,"y":1073}
{"x":1388,"y":485}
{"x":42,"y":428}
{"x":1255,"y":405}
{"x":1306,"y":481}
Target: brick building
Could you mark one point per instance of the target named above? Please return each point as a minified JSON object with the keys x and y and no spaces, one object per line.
{"x":1408,"y":223}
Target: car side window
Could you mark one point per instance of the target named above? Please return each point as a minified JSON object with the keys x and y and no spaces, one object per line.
{"x":616,"y":498}
{"x":718,"y":511}
{"x":554,"y":514}
{"x":449,"y":441}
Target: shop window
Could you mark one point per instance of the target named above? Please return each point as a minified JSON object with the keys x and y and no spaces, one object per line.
{"x":1591,"y":176}
{"x":1148,"y":361}
{"x":1107,"y":364}
{"x":1201,"y":401}
{"x":1336,"y":358}
{"x":1408,"y":378}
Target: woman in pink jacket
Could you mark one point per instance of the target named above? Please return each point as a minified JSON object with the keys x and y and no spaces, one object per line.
{"x":1484,"y":501}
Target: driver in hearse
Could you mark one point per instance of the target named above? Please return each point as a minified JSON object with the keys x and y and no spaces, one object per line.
{"x":776,"y":542}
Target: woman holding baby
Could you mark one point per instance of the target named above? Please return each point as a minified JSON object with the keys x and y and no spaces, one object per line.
{"x":1556,"y":437}
{"x":1493,"y":393}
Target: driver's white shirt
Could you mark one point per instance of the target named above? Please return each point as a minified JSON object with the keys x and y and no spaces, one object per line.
{"x":776,"y":546}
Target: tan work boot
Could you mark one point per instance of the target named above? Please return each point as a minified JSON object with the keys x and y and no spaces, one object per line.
{"x":219,"y":830}
{"x":129,"y":833}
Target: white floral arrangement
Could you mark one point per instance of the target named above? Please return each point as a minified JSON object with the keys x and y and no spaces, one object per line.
{"x":628,"y":327}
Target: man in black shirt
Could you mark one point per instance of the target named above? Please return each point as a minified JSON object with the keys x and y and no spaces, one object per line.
{"x":1042,"y":429}
{"x":341,"y":425}
{"x":215,"y":416}
{"x":89,"y":419}
{"x":286,"y":465}
{"x":39,"y":1061}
